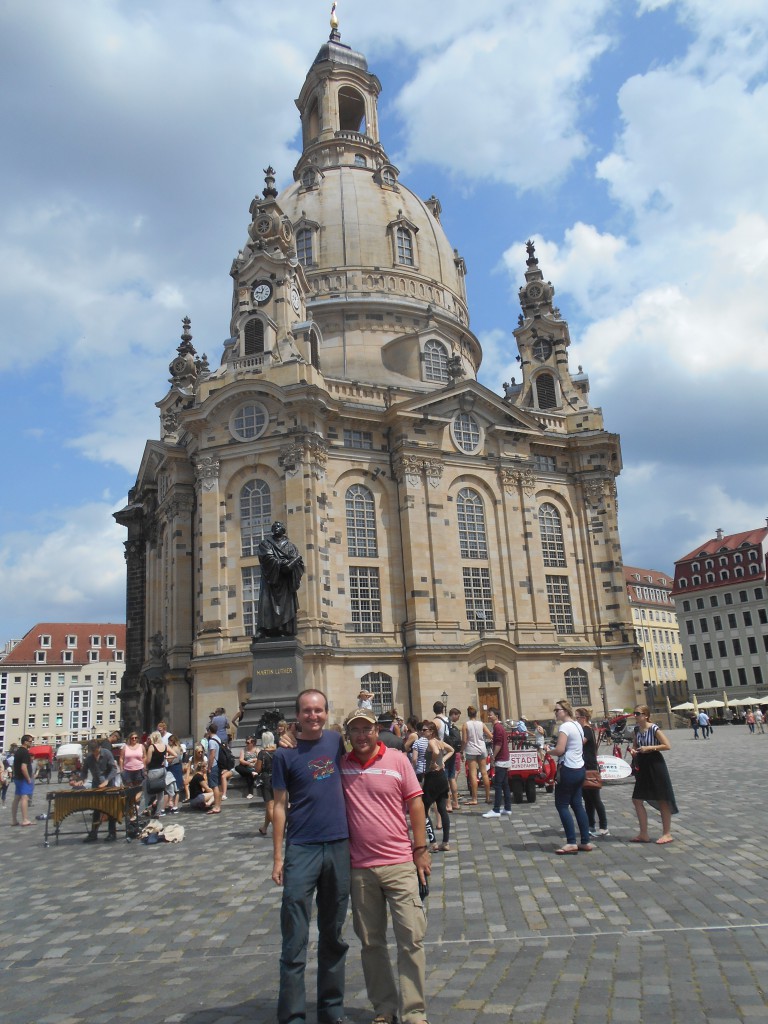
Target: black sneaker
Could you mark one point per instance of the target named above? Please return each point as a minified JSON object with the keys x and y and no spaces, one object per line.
{"x":110,"y":838}
{"x":91,"y":838}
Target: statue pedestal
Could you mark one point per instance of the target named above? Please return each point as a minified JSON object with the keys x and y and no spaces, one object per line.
{"x":278,"y":678}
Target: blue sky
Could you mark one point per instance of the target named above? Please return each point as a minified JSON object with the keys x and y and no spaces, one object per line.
{"x":628,"y":139}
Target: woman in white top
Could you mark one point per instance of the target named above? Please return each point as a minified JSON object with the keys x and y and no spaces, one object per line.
{"x":473,"y":734}
{"x":570,"y":750}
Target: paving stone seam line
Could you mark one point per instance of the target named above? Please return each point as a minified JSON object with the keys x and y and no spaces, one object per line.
{"x":437,"y":943}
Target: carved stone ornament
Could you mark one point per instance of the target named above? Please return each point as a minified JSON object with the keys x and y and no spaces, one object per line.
{"x":156,"y":649}
{"x":207,"y":472}
{"x":179,"y":507}
{"x":434,"y":470}
{"x":594,"y":495}
{"x":512,"y":478}
{"x":170,"y":423}
{"x":411,"y":467}
{"x":307,"y":448}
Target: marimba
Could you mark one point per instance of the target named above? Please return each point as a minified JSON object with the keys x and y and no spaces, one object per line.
{"x":110,"y":801}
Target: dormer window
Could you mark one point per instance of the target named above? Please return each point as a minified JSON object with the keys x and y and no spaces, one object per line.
{"x":111,"y":641}
{"x":304,"y":247}
{"x":435,"y":361}
{"x":402,"y":233}
{"x":309,"y":178}
{"x":40,"y":657}
{"x":45,"y":640}
{"x":71,"y":641}
{"x":360,"y":160}
{"x":387,"y":177}
{"x":95,"y":641}
{"x":404,"y":247}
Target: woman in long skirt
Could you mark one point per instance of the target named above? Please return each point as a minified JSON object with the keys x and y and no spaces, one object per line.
{"x":652,"y":784}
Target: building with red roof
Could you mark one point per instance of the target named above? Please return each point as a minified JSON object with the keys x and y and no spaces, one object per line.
{"x":721,"y":598}
{"x":61,"y":682}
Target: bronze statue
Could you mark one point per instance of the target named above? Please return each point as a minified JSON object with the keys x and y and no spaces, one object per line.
{"x":281,"y":570}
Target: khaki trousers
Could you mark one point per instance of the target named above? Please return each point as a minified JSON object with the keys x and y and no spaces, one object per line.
{"x":373,"y":890}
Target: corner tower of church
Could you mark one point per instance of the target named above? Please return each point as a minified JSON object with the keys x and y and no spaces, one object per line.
{"x":454,"y":539}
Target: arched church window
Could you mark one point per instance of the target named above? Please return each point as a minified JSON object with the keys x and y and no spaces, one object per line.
{"x":404,"y":247}
{"x":380,"y":685}
{"x":255,"y":515}
{"x":361,"y":522}
{"x":470,"y":512}
{"x":577,"y":687}
{"x":253,"y":340}
{"x":551,"y":530}
{"x":360,"y":160}
{"x":351,"y":110}
{"x":436,"y":361}
{"x":546,"y":395}
{"x":388,"y":177}
{"x":304,"y":247}
{"x":308,"y":177}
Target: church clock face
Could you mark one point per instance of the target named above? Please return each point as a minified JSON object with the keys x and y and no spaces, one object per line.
{"x":542,"y":350}
{"x":262,"y":292}
{"x":263,"y":225}
{"x":295,"y":299}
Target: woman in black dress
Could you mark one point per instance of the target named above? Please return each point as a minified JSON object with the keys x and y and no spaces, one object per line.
{"x":652,"y":784}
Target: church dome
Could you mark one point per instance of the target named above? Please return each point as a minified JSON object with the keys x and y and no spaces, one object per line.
{"x":368,"y":237}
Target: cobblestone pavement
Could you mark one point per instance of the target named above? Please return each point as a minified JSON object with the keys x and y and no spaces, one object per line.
{"x":189,"y":933}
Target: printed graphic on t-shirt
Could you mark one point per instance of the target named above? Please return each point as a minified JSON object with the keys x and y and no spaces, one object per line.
{"x":322,"y":768}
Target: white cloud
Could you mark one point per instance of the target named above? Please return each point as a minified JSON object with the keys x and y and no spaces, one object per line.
{"x":513,"y":111}
{"x":67,"y":564}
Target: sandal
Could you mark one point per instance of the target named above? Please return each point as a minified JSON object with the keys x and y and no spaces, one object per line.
{"x":567,"y":850}
{"x":262,"y":831}
{"x":444,"y":847}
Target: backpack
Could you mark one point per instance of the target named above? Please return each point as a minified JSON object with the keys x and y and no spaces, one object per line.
{"x":452,"y":736}
{"x":226,"y":757}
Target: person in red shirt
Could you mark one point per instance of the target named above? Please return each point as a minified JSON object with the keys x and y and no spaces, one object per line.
{"x":379,"y":783}
{"x":501,"y":789}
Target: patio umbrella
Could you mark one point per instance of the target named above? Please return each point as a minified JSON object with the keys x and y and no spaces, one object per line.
{"x":695,"y":704}
{"x":708,"y":704}
{"x":687,"y":706}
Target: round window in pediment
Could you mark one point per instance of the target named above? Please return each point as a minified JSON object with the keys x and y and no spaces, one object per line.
{"x":249,"y":421}
{"x":467,"y":433}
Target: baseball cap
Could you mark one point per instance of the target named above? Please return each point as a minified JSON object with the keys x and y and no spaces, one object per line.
{"x":362,"y":713}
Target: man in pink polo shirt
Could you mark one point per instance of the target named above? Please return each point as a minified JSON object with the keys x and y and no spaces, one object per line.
{"x":379,"y":782}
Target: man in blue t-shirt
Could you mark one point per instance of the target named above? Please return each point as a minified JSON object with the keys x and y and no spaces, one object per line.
{"x":316,"y":861}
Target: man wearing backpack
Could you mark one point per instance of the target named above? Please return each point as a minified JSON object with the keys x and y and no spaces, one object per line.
{"x":449,"y":732}
{"x":213,"y":745}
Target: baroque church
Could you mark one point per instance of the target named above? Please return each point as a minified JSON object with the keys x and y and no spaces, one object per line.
{"x":456,"y":541}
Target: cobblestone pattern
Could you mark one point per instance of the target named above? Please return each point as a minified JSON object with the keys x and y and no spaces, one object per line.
{"x":189,"y":934}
